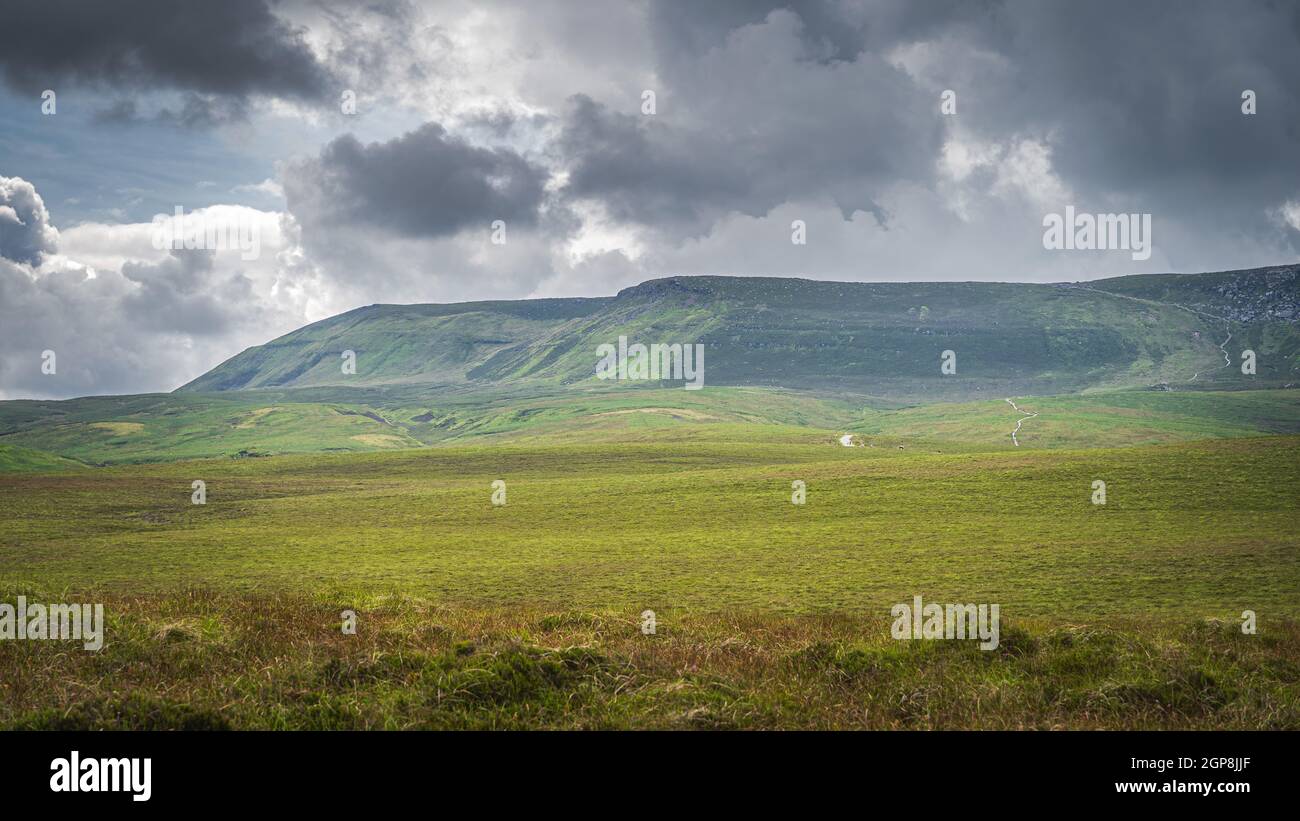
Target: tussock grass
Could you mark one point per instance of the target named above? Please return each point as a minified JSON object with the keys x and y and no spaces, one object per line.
{"x":199,"y":659}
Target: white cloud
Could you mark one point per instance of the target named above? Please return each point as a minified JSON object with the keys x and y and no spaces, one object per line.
{"x":124,"y":316}
{"x":1290,"y":213}
{"x":267,"y":186}
{"x":26,"y":234}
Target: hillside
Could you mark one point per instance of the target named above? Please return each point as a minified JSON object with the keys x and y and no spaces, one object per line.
{"x":1125,"y":361}
{"x":395,"y":344}
{"x":876,"y":339}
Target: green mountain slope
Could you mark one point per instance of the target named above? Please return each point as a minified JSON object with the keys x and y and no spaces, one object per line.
{"x":394,"y":344}
{"x":102,"y":430}
{"x":876,"y":339}
{"x":1124,"y":361}
{"x":15,"y":459}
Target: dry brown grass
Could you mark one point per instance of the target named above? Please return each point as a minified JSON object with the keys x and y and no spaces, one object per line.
{"x":198,"y":659}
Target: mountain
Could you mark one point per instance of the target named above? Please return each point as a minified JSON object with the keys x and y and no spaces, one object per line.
{"x":873,"y":339}
{"x":1125,"y":361}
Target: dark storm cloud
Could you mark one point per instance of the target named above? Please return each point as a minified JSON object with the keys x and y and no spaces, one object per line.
{"x":1143,"y":90}
{"x":750,"y":123}
{"x":831,"y":29}
{"x":425,"y":183}
{"x":1140,"y":104}
{"x":232,"y":48}
{"x":386,"y":48}
{"x":690,"y":27}
{"x":640,"y":171}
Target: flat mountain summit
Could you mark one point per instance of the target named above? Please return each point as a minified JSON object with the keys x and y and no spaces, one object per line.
{"x":883,"y":339}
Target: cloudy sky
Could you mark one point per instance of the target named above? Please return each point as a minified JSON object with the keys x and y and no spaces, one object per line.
{"x":537,"y":114}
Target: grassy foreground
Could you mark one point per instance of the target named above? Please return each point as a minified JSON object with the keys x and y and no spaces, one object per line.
{"x":770,"y":614}
{"x":198,"y":660}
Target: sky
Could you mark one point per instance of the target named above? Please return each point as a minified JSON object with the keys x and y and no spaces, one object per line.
{"x":404,"y":152}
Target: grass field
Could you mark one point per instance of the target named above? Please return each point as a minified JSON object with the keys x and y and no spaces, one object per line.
{"x":158,"y":427}
{"x":1204,"y":528}
{"x":770,"y":614}
{"x":1109,"y":419}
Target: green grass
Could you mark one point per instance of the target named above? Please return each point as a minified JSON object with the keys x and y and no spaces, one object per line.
{"x":1205,"y":528}
{"x":154,"y":427}
{"x":158,"y":427}
{"x":771,"y":615}
{"x":1096,"y":420}
{"x":25,"y":460}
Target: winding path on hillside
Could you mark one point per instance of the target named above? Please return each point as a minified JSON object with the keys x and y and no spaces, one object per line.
{"x":1227,"y":360}
{"x":1227,"y":323}
{"x":1019,"y":421}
